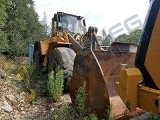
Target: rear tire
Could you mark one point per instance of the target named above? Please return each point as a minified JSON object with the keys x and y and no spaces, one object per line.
{"x":62,"y":58}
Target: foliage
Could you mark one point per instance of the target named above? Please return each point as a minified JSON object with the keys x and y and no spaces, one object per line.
{"x":63,"y":112}
{"x":80,"y":104}
{"x":104,"y":34}
{"x":3,"y":17}
{"x":80,"y":101}
{"x":44,"y":23}
{"x":108,"y":114}
{"x":25,"y":74}
{"x":133,"y":37}
{"x":6,"y":64}
{"x":66,"y":112}
{"x":107,"y":41}
{"x":152,"y":116}
{"x":19,"y":26}
{"x":90,"y":117}
{"x":55,"y":84}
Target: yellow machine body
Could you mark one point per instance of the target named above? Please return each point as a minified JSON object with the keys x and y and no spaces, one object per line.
{"x":141,"y":85}
{"x":140,"y":96}
{"x":127,"y":86}
{"x":153,"y":54}
{"x":61,"y":37}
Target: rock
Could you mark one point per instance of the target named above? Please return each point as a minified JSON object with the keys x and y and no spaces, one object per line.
{"x":22,"y":108}
{"x":23,"y":112}
{"x":3,"y":98}
{"x":11,"y":98}
{"x":7,"y":107}
{"x":52,"y":110}
{"x":17,"y":116}
{"x":22,"y":97}
{"x":2,"y":74}
{"x":12,"y":78}
{"x":16,"y":112}
{"x":27,"y":106}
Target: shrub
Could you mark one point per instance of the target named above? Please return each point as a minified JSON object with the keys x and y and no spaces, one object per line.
{"x":152,"y":116}
{"x":63,"y":112}
{"x":55,"y":84}
{"x":90,"y":117}
{"x":80,"y":101}
{"x":109,"y":115}
{"x":80,"y":104}
{"x":25,"y":74}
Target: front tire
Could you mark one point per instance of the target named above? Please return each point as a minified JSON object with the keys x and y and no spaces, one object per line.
{"x":62,"y":58}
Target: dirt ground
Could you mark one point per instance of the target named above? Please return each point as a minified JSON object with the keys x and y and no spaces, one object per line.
{"x":13,"y":95}
{"x":13,"y":106}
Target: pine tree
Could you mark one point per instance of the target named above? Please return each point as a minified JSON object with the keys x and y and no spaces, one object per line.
{"x":3,"y":17}
{"x":22,"y":26}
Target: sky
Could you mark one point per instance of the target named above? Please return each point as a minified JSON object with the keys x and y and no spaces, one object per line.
{"x":98,"y":13}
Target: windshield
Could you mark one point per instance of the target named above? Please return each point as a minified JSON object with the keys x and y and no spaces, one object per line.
{"x":72,"y":24}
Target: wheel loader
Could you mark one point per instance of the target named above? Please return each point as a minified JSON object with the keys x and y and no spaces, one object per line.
{"x":69,"y":37}
{"x":126,"y":77}
{"x":79,"y":54}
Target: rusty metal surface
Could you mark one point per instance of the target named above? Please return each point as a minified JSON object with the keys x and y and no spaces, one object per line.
{"x":86,"y":69}
{"x":99,"y":70}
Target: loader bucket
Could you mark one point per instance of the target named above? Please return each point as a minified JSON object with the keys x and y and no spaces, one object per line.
{"x":99,"y":70}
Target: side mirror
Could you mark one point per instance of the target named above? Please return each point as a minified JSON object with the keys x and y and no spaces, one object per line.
{"x":79,"y":18}
{"x":55,"y":18}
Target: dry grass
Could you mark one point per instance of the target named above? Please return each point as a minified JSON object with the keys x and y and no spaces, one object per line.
{"x":10,"y":64}
{"x":6,"y":64}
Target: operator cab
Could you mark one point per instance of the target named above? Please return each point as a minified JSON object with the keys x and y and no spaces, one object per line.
{"x":69,"y":23}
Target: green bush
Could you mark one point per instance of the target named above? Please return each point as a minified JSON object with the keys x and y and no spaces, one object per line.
{"x":152,"y":116}
{"x":55,"y":84}
{"x":24,"y":73}
{"x":80,"y":101}
{"x":90,"y":117}
{"x":63,"y":112}
{"x":80,"y":105}
{"x":109,"y":115}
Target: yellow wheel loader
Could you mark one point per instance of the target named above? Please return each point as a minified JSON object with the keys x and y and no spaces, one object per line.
{"x":123,"y":77}
{"x":79,"y":54}
{"x":69,"y":37}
